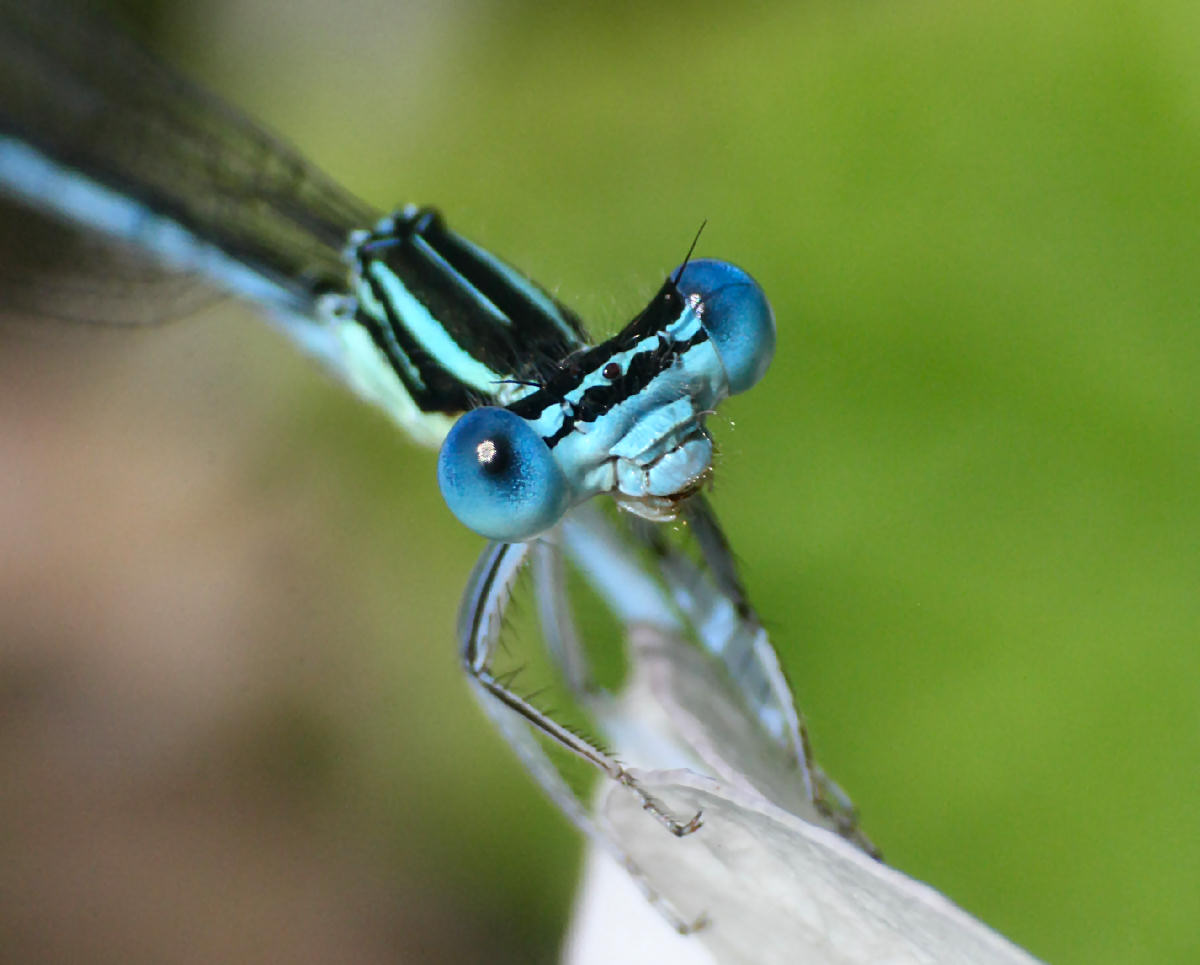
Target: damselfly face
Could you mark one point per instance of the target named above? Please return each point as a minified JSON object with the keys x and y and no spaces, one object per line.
{"x":626,"y":417}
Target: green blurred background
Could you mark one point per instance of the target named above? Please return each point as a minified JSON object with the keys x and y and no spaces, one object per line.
{"x":965,"y":496}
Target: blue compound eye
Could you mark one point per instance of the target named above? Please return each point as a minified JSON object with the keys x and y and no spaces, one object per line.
{"x":737,"y":317}
{"x":499,"y":478}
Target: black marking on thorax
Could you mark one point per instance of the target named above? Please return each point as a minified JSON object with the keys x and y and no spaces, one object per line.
{"x":527,"y":348}
{"x":643,"y":369}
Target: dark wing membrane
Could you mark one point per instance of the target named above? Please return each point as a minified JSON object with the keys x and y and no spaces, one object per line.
{"x":82,"y":94}
{"x":54,"y":271}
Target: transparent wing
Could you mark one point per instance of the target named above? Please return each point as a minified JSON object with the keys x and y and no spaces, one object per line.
{"x":634,"y":649}
{"x":50,"y":270}
{"x":75,"y":91}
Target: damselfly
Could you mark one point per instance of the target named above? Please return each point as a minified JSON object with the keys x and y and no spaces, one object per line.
{"x":427,"y":326}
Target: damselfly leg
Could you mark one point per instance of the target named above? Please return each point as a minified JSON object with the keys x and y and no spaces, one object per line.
{"x":482,"y":616}
{"x":658,"y":584}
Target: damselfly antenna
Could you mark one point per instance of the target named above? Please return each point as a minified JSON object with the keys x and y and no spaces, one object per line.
{"x":690,"y":251}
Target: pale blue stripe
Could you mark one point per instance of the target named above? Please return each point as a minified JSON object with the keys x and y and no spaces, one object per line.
{"x":371,"y":305}
{"x":32,"y":177}
{"x":614,"y":572}
{"x":430,"y":333}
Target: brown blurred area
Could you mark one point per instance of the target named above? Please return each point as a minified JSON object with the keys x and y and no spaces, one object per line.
{"x":182,"y":682}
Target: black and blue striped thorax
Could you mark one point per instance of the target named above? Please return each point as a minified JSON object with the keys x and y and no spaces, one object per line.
{"x":458,"y":325}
